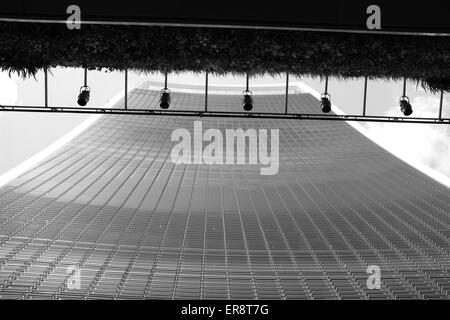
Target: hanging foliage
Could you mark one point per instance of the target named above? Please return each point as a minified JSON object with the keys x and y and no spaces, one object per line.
{"x":25,"y":48}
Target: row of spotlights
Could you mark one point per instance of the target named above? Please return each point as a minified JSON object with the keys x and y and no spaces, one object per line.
{"x":165,"y":99}
{"x":247,"y":101}
{"x":405,"y":106}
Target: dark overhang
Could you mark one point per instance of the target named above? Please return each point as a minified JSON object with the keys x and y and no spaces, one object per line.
{"x":400,"y":16}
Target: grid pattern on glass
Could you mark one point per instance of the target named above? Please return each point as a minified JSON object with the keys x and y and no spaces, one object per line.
{"x":112,"y":204}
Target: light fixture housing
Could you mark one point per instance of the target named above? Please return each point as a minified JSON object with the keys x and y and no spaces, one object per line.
{"x":247,"y":101}
{"x":165,"y":99}
{"x":84,"y":96}
{"x":325,"y":102}
{"x":405,"y":106}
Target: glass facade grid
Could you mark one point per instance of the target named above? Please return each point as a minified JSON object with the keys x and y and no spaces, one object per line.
{"x":136,"y":225}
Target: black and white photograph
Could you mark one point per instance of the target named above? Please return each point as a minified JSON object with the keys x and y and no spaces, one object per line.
{"x":224,"y":159}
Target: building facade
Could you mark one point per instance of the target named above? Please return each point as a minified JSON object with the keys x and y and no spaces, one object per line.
{"x":111,"y":216}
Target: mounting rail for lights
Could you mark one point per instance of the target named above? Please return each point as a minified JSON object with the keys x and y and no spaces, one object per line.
{"x":205,"y":112}
{"x":225,"y":114}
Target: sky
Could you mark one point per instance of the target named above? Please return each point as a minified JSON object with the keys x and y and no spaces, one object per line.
{"x":25,"y":134}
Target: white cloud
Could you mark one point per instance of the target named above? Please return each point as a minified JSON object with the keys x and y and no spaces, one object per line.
{"x":422,"y":143}
{"x":8,"y":89}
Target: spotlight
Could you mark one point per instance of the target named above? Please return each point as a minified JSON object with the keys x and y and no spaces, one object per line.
{"x":83,"y":97}
{"x":247,"y":102}
{"x":405,"y":106}
{"x":325,"y":102}
{"x":164,"y":101}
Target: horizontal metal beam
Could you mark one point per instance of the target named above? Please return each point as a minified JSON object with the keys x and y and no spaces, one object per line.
{"x":225,"y":114}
